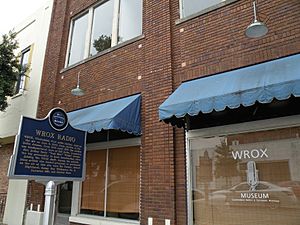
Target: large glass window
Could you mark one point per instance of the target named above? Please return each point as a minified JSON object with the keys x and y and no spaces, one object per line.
{"x":246,"y":178}
{"x":190,"y":7}
{"x":111,"y":188}
{"x":93,"y":188}
{"x":104,"y":26}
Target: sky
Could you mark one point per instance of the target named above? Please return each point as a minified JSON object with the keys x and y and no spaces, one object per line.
{"x":13,"y":12}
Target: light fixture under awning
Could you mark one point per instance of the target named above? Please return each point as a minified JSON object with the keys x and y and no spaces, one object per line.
{"x":263,"y":82}
{"x":121,"y":114}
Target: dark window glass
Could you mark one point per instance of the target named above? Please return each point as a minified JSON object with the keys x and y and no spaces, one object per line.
{"x":22,"y":77}
{"x":65,"y":197}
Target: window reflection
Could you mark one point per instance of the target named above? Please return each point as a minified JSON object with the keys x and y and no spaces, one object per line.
{"x":78,"y":39}
{"x":247,"y":179}
{"x":130,"y":22}
{"x":102,"y":27}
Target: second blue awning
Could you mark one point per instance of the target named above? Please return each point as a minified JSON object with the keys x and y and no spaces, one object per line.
{"x":262,"y":83}
{"x":121,"y":114}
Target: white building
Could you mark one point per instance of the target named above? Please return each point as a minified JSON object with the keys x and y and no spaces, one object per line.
{"x":32,"y":37}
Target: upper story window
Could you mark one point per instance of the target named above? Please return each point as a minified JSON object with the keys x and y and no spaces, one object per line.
{"x":78,"y":39}
{"x":189,"y":7}
{"x":104,"y":26}
{"x":20,"y":86}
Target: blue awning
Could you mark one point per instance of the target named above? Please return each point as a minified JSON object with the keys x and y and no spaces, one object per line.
{"x":263,"y":82}
{"x":121,"y":114}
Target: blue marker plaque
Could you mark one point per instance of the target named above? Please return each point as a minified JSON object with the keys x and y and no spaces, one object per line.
{"x":48,"y":149}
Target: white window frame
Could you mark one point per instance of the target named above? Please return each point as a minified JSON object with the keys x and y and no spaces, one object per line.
{"x":76,"y":216}
{"x":254,"y":126}
{"x":90,"y":14}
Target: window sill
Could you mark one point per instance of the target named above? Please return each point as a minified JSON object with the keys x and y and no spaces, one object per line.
{"x":204,"y":11}
{"x":96,"y":220}
{"x":103,"y":52}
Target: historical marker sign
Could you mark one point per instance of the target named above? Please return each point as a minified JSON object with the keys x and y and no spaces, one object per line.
{"x":48,"y":149}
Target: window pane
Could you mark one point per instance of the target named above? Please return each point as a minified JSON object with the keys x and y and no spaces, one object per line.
{"x":130,"y":22}
{"x":123,"y":184}
{"x":102,"y":27}
{"x":193,"y":6}
{"x":92,"y":199}
{"x":25,"y":59}
{"x":249,"y":178}
{"x":22,"y":77}
{"x":78,"y":39}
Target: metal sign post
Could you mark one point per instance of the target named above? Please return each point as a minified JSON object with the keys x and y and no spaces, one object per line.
{"x":49,"y":150}
{"x":50,"y":196}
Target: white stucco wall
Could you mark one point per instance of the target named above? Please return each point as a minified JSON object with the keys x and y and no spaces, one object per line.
{"x":31,"y":32}
{"x":16,"y":199}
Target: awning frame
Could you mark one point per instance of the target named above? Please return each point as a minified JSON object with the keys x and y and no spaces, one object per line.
{"x":277,"y":79}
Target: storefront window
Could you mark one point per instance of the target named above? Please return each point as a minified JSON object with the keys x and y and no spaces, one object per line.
{"x":111,"y":188}
{"x":93,"y":188}
{"x":246,"y":178}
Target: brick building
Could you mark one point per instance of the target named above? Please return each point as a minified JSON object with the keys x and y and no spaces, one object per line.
{"x":32,"y":35}
{"x":147,"y":49}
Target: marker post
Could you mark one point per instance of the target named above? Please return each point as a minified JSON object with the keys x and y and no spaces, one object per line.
{"x":50,"y":196}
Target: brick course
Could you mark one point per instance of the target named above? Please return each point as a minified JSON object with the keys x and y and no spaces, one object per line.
{"x":167,"y":55}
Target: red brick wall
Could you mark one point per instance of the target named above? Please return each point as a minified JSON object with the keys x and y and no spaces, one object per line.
{"x":35,"y":195}
{"x":157,"y":193}
{"x":215,"y":42}
{"x":167,"y":55}
{"x":114,"y":75}
{"x":5,"y":153}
